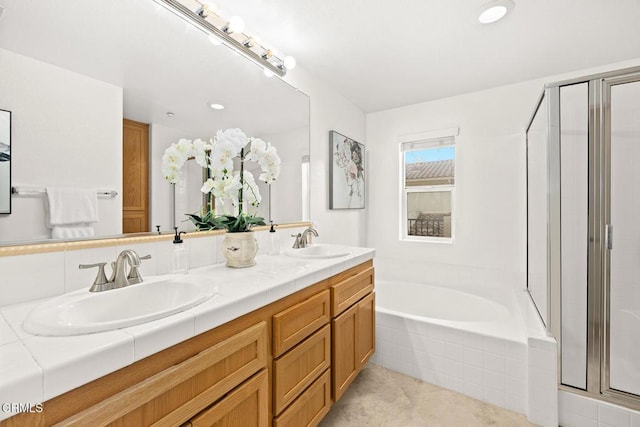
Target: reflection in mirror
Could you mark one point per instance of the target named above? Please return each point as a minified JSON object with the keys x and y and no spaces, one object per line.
{"x":71,"y":73}
{"x":5,"y":162}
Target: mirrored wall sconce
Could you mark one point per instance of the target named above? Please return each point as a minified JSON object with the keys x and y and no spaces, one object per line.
{"x":229,"y":32}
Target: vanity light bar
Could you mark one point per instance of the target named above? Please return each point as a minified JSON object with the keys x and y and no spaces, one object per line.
{"x":241,"y":42}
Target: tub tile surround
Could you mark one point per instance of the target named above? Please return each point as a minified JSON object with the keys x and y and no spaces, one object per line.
{"x":51,"y":366}
{"x":511,"y":367}
{"x":485,"y":368}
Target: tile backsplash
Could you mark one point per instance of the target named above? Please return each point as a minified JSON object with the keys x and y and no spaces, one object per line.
{"x":27,"y":277}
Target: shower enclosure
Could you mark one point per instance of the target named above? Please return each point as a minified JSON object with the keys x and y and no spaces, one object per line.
{"x":583,"y":230}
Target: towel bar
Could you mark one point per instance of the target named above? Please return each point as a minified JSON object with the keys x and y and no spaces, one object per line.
{"x":30,"y":191}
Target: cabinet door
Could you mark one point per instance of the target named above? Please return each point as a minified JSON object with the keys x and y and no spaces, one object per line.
{"x":345,"y":361}
{"x":246,"y":406}
{"x":366,"y":333}
{"x":353,"y":343}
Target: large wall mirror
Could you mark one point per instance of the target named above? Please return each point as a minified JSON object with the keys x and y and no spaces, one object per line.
{"x":73,"y":70}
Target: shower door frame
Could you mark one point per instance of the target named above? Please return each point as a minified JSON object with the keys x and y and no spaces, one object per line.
{"x":599,"y":212}
{"x":628,"y":399}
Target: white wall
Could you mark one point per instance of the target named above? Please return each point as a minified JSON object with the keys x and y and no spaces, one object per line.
{"x":331,"y":111}
{"x":490,"y":184}
{"x":490,"y":238}
{"x":286,"y":199}
{"x":66,"y":131}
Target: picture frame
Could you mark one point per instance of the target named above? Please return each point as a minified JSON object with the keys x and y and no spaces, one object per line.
{"x":5,"y":162}
{"x":346,"y":172}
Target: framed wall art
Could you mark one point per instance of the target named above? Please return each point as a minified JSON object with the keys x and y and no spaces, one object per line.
{"x":5,"y":162}
{"x":346,"y":173}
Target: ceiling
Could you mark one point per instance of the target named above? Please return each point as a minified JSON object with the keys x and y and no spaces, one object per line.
{"x":380,"y":55}
{"x":383,"y":54}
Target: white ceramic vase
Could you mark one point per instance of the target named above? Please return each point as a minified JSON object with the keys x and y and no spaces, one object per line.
{"x":240,"y":249}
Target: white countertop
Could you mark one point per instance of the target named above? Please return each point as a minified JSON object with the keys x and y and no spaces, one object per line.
{"x":34,"y":369}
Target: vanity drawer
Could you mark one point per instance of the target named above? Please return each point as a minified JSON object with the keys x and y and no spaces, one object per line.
{"x":247,"y":405}
{"x":310,"y":407}
{"x":349,"y":287}
{"x":174,"y":395}
{"x":296,"y":323}
{"x":295,"y":370}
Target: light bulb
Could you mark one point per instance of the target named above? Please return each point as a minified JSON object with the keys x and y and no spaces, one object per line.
{"x":268,"y":73}
{"x":236,"y":24}
{"x":216,"y":106}
{"x":290,"y":62}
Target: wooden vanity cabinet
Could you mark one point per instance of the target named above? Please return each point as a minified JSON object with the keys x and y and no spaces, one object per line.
{"x":302,"y":357}
{"x":283,"y":365}
{"x":353,"y":325}
{"x":174,"y":395}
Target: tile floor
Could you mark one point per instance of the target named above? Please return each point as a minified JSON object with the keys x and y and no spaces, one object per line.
{"x":381,"y":397}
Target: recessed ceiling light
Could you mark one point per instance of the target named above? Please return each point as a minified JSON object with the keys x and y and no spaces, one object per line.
{"x":216,"y":106}
{"x":169,"y":114}
{"x":494,"y":11}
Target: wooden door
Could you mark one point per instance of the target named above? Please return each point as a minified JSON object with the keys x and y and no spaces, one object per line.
{"x":135,"y":177}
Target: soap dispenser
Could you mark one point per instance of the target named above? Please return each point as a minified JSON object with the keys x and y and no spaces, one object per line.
{"x":274,"y":240}
{"x":179,"y":257}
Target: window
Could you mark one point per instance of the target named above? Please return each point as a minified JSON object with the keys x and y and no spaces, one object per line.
{"x":428,"y":188}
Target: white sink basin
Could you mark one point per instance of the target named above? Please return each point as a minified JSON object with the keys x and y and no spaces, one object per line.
{"x":318,"y":251}
{"x":84,"y":312}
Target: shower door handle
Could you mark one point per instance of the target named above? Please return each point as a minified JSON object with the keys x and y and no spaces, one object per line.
{"x":608,"y":236}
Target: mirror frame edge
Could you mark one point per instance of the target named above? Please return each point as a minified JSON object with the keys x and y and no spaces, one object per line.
{"x":61,"y":246}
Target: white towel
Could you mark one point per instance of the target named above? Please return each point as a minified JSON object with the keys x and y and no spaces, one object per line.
{"x":71,"y":212}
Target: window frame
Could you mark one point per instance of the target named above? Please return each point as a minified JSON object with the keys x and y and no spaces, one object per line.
{"x":437,"y":139}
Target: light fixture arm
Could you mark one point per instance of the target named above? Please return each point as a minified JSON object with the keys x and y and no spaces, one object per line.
{"x":246,"y":50}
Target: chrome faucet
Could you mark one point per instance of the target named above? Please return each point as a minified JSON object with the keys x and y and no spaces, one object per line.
{"x":119,"y":277}
{"x":302,"y":239}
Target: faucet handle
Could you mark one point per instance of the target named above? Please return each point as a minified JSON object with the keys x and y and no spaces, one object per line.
{"x":297,"y":243}
{"x":100,"y":283}
{"x":134,"y":275}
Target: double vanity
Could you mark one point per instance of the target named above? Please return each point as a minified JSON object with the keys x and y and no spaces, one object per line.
{"x":275,"y":344}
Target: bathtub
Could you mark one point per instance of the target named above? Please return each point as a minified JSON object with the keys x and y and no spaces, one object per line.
{"x":470,"y":341}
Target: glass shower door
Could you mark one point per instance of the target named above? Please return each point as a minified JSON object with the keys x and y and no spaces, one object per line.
{"x":622,"y":126}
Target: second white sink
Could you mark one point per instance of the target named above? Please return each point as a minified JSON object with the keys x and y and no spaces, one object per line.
{"x":318,"y":251}
{"x":84,"y":312}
